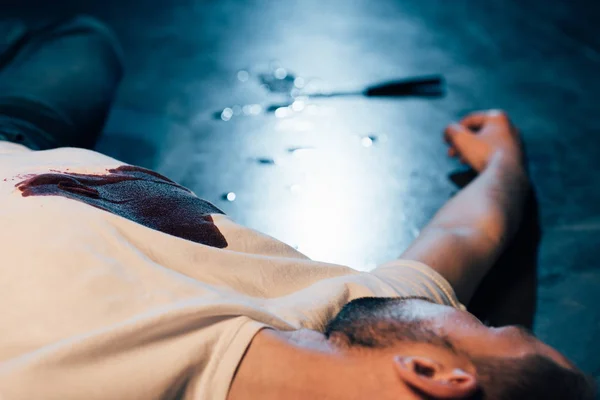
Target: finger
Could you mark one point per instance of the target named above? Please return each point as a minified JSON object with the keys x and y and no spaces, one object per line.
{"x":459,"y":137}
{"x":477,"y":120}
{"x":446,"y":137}
{"x":474,"y":120}
{"x":465,"y":143}
{"x":448,"y":132}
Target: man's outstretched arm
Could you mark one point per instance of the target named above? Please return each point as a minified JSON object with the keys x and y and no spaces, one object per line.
{"x":468,"y":234}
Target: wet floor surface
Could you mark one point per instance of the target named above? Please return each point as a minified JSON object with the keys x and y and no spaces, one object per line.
{"x":207,"y":101}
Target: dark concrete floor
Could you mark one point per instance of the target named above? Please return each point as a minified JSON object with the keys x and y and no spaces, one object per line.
{"x":351,"y":199}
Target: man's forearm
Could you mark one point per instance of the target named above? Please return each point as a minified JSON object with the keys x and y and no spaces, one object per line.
{"x":472,"y":229}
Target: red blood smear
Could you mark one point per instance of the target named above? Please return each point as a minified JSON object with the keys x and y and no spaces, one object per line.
{"x":139,"y":195}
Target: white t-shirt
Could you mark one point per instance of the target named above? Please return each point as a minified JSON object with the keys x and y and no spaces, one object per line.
{"x":98,"y":302}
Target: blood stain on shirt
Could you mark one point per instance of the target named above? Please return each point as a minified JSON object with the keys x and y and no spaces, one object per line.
{"x":138,"y":194}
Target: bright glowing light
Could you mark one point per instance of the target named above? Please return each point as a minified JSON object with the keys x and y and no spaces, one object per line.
{"x":298,"y":105}
{"x":252,"y":109}
{"x":282,"y":112}
{"x":255,"y":109}
{"x":243,"y":75}
{"x":226,"y":114}
{"x":366,"y":141}
{"x":280,"y":73}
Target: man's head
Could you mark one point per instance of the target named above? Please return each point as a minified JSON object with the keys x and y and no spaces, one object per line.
{"x":445,"y":353}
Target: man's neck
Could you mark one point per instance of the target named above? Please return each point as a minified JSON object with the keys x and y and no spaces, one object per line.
{"x":301,"y":365}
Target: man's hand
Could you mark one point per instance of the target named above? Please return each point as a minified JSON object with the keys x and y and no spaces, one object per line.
{"x":482,"y":136}
{"x":468,"y":234}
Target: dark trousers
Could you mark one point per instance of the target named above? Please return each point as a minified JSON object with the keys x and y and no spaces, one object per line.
{"x":57,"y":84}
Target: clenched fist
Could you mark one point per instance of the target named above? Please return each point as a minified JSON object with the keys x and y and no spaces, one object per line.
{"x":481,"y":136}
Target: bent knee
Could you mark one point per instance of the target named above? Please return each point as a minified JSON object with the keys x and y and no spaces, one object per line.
{"x":97,"y":31}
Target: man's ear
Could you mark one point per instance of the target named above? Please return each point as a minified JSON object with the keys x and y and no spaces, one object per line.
{"x":434,"y":379}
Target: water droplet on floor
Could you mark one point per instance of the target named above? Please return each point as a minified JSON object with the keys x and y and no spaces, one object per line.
{"x":226,"y":114}
{"x":256,"y":109}
{"x":282,"y":112}
{"x":368,"y":141}
{"x":265,"y":161}
{"x":252,"y":109}
{"x":243,"y":75}
{"x":274,"y":107}
{"x":229,"y":196}
{"x":280,"y":73}
{"x":276,"y":85}
{"x":301,"y":151}
{"x":299,"y":82}
{"x":278,"y":79}
{"x":298,"y":105}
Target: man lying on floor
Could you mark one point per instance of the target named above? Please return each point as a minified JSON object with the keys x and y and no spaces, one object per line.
{"x":118,"y":283}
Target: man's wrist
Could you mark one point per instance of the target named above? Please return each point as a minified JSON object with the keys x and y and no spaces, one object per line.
{"x":512,"y":167}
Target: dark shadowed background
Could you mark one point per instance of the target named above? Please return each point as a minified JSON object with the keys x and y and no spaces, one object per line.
{"x":352,"y":180}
